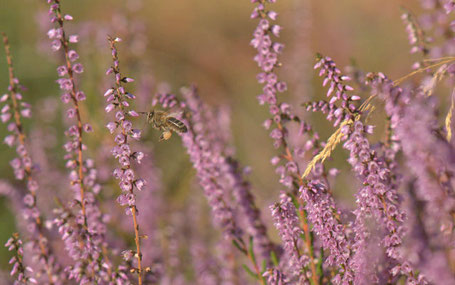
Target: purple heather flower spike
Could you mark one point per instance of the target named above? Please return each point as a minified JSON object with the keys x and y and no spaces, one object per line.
{"x":123,"y":150}
{"x":287,"y":223}
{"x":86,"y":220}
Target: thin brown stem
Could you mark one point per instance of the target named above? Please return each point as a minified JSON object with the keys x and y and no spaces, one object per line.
{"x":309,"y":245}
{"x":138,"y":254}
{"x":256,"y":268}
{"x":28,"y":171}
{"x":308,"y":240}
{"x":73,"y":92}
{"x":138,"y":245}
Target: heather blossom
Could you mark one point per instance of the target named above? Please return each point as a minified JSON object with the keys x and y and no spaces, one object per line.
{"x":393,"y":224}
{"x":118,"y":101}
{"x":378,"y":199}
{"x":88,"y":229}
{"x":13,"y":111}
{"x":206,"y":162}
{"x":21,"y":271}
{"x":324,"y":217}
{"x":220,"y":176}
{"x":288,"y":164}
{"x":430,"y":160}
{"x":287,"y":221}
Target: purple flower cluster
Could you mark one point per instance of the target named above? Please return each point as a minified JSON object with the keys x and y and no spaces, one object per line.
{"x":23,"y":168}
{"x":378,"y":199}
{"x":118,"y":101}
{"x":324,"y":217}
{"x":275,"y":276}
{"x":337,"y":91}
{"x":287,"y":222}
{"x":74,"y":145}
{"x":251,"y":214}
{"x":415,"y":126}
{"x":267,"y":60}
{"x":398,"y":228}
{"x":22,"y":271}
{"x":430,"y":153}
{"x":207,"y":161}
{"x":84,"y":232}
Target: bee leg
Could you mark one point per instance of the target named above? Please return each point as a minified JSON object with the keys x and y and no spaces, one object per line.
{"x":165,"y":135}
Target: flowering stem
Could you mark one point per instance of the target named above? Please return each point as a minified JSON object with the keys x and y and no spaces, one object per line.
{"x":73,"y":92}
{"x":303,"y":215}
{"x":19,"y":268}
{"x":256,"y":268}
{"x":401,"y":79}
{"x":119,"y":97}
{"x":309,"y":244}
{"x":27,"y":169}
{"x":138,"y":246}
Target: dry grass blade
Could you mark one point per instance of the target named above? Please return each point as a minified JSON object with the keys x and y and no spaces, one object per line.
{"x":325,"y":153}
{"x":438,"y":76}
{"x":448,"y":121}
{"x":400,"y":80}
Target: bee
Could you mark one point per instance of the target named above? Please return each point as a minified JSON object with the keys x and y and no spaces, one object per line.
{"x":166,"y":122}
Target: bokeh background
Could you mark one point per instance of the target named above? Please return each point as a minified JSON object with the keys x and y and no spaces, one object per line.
{"x":174,"y":43}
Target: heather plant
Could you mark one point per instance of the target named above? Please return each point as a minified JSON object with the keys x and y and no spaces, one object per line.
{"x":372,"y":202}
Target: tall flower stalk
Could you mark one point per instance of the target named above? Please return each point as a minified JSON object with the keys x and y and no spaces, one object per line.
{"x":118,"y":100}
{"x":21,"y":271}
{"x":74,"y":147}
{"x":380,"y":237}
{"x":220,"y":177}
{"x":86,"y":240}
{"x":287,"y":164}
{"x":23,"y":167}
{"x":267,"y":60}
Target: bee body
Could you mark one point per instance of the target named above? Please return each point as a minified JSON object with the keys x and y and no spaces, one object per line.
{"x":165,"y":122}
{"x":176,"y":125}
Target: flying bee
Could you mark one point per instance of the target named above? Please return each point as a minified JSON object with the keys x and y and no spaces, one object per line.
{"x":166,"y":122}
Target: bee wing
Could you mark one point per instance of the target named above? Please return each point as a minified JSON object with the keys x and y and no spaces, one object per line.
{"x":177,"y":114}
{"x":176,"y":125}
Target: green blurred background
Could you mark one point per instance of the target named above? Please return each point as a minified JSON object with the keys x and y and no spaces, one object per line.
{"x":206,"y":43}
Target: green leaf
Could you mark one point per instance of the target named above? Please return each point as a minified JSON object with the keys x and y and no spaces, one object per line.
{"x":319,"y":270}
{"x":251,"y":250}
{"x":264,"y":266}
{"x":274,"y":258}
{"x":249,"y":271}
{"x":237,"y":245}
